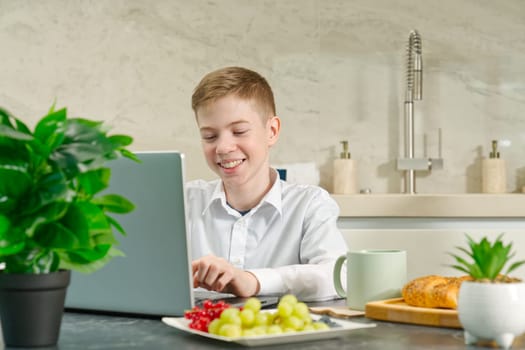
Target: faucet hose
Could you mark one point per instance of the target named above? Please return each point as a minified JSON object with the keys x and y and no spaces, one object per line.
{"x":414,"y":67}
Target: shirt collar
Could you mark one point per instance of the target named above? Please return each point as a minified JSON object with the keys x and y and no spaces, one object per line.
{"x":273,"y":197}
{"x":218,"y":195}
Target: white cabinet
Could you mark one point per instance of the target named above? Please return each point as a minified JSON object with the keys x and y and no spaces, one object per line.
{"x":429,"y":227}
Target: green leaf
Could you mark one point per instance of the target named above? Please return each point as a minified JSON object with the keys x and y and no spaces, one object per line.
{"x":32,"y":260}
{"x":66,"y":162}
{"x":55,"y":236}
{"x":114,"y":203}
{"x":104,"y":239}
{"x":72,"y":262}
{"x":461,"y":260}
{"x":52,"y":187}
{"x":47,"y":214}
{"x":94,"y":181}
{"x":90,"y":255}
{"x":465,"y":251}
{"x":116,"y":225}
{"x":50,"y":130}
{"x":461,"y":268}
{"x":9,"y":248}
{"x":86,"y":220}
{"x":77,"y":221}
{"x":82,"y":152}
{"x":4,"y":226}
{"x":52,"y":108}
{"x":4,"y":117}
{"x":98,"y":224}
{"x":120,"y":141}
{"x":45,"y":262}
{"x":12,"y":239}
{"x":130,"y":155}
{"x":515,"y":266}
{"x":6,"y":131}
{"x":15,"y":181}
{"x":85,"y":131}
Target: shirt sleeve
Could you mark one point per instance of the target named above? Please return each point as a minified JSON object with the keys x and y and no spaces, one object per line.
{"x":271,"y":283}
{"x":321,"y":245}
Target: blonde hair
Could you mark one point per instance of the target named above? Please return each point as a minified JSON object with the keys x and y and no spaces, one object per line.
{"x":238,"y":81}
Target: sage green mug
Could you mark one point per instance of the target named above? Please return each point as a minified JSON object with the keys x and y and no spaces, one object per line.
{"x":370,"y":275}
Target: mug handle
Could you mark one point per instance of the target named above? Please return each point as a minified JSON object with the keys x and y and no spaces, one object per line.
{"x":337,"y":276}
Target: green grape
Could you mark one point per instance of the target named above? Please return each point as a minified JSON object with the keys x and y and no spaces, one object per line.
{"x":274,"y":329}
{"x":301,"y":310}
{"x":214,"y":326}
{"x":247,"y":317}
{"x":288,"y":298}
{"x":259,"y":330}
{"x":231,"y":315}
{"x":320,"y":326}
{"x":248,"y":332}
{"x":284,"y":309}
{"x":253,"y":304}
{"x":308,"y":327}
{"x":291,"y":316}
{"x":261,"y":319}
{"x":293,"y":322}
{"x":230,"y":330}
{"x":271,"y":317}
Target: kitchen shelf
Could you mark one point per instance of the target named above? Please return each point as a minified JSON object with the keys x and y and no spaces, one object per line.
{"x":432,"y":205}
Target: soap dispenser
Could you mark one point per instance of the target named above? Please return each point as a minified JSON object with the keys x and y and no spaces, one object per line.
{"x":493,"y":172}
{"x":345,"y":173}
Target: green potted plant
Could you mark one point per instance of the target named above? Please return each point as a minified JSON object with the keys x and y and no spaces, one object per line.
{"x":53,"y":217}
{"x":492,"y":306}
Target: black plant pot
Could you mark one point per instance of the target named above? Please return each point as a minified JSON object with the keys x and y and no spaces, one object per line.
{"x":31,"y":307}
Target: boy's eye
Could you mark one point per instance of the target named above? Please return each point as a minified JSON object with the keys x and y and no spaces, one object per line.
{"x":208,"y":137}
{"x":240,"y":132}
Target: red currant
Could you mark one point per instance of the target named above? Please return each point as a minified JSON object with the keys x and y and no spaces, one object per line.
{"x":200,"y":318}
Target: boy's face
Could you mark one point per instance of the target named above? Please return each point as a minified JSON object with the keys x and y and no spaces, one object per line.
{"x":236,"y":140}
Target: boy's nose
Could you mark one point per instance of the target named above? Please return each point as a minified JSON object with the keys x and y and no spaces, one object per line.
{"x":225,"y":145}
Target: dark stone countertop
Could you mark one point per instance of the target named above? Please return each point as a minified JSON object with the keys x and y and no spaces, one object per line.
{"x":93,"y":331}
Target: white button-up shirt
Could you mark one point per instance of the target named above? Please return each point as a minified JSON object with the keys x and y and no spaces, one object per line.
{"x":289,"y":241}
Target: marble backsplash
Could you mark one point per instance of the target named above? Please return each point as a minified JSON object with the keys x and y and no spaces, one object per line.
{"x":337,"y":68}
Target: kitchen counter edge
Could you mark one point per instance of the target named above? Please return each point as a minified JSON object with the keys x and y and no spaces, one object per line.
{"x":432,"y":205}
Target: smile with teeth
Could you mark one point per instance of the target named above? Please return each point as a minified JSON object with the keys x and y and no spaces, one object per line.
{"x":231,"y":164}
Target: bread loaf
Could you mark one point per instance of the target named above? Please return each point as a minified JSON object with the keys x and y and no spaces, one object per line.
{"x":433,"y":291}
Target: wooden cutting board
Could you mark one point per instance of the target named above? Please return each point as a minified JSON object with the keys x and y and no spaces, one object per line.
{"x":396,"y":310}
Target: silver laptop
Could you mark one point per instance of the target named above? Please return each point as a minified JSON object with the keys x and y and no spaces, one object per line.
{"x":154,"y":277}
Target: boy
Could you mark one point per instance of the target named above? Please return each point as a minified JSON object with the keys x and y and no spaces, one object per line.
{"x":253,"y":234}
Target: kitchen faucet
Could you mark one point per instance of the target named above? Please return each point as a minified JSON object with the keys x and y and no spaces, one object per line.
{"x":414,"y":92}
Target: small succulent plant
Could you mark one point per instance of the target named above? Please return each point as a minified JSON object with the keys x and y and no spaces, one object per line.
{"x":488,"y":260}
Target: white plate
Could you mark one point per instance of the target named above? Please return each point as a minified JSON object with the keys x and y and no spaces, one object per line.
{"x":284,"y":338}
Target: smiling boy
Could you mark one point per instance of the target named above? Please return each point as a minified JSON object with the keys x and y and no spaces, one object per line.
{"x":252,"y":233}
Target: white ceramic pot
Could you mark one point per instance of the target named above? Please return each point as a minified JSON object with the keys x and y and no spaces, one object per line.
{"x":492,"y":311}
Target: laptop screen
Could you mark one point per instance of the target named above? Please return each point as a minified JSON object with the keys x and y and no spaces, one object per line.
{"x":154,"y":278}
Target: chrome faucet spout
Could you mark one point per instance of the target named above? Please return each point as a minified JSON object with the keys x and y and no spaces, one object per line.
{"x":414,"y":92}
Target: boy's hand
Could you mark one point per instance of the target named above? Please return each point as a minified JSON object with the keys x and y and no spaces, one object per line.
{"x":217,"y":274}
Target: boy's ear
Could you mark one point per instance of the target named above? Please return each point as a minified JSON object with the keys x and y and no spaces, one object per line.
{"x":274,"y":129}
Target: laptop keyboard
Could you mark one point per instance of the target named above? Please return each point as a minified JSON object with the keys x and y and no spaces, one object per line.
{"x":202,"y":295}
